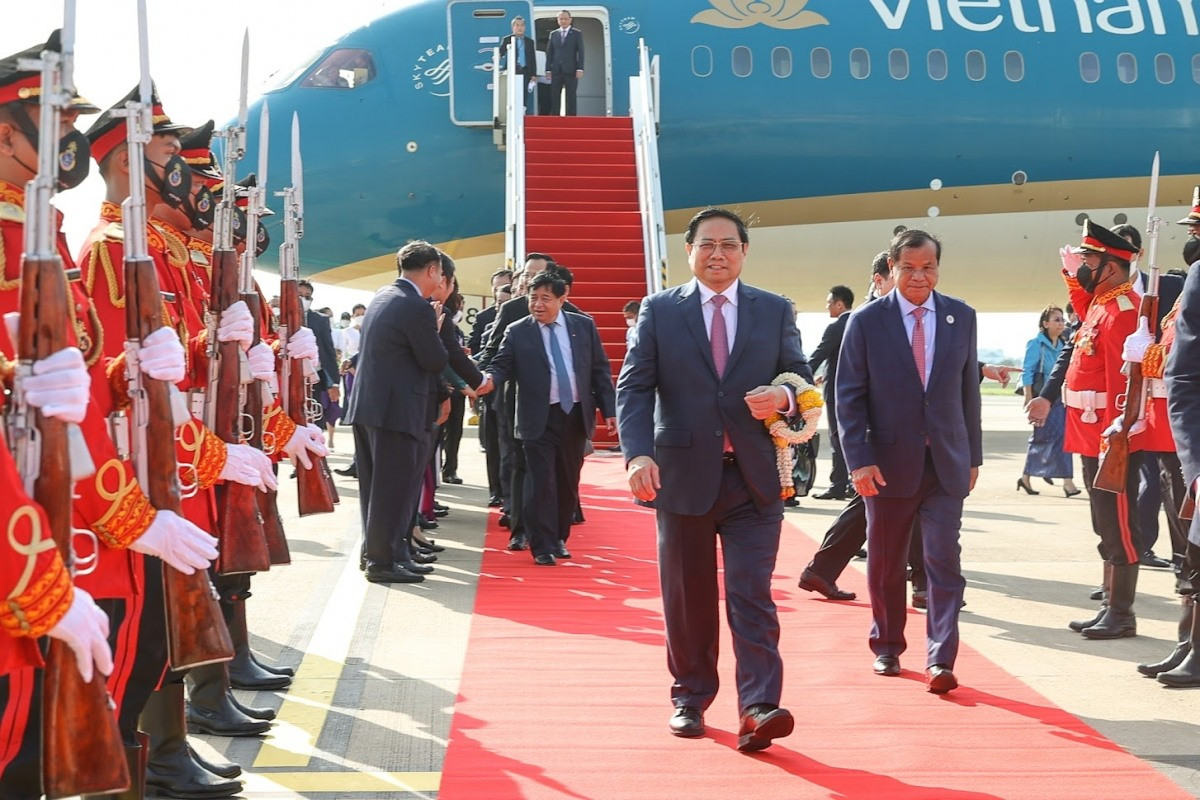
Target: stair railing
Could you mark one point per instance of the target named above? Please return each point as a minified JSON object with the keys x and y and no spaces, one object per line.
{"x":643,"y":100}
{"x":514,"y":156}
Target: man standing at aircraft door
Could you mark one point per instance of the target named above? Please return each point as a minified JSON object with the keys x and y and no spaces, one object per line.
{"x":526,"y":62}
{"x":564,"y":63}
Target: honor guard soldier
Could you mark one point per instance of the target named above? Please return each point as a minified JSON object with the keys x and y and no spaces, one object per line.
{"x":1101,"y":289}
{"x":1192,"y":220}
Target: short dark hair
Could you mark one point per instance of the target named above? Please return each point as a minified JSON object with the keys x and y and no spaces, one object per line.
{"x":447,"y":265}
{"x":357,"y":306}
{"x":1130,"y":233}
{"x":539,"y":257}
{"x":563,"y":273}
{"x":550,"y":281}
{"x":913,"y":238}
{"x":302,"y":284}
{"x":711,"y":213}
{"x":1046,"y":312}
{"x":844,"y":294}
{"x":1070,"y":308}
{"x":416,"y":256}
{"x":632,"y":305}
{"x":1191,"y":251}
{"x":880,"y":265}
{"x":503,"y":271}
{"x":505,"y":289}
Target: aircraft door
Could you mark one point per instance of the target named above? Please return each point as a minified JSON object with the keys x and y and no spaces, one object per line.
{"x":475,"y":29}
{"x":594,"y":95}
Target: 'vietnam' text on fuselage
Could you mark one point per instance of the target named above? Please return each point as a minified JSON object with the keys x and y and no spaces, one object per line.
{"x":1122,"y":17}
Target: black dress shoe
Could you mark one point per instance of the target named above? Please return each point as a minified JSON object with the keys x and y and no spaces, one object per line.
{"x":427,"y":524}
{"x":939,"y":679}
{"x":761,"y":723}
{"x":415,"y":568}
{"x":792,"y":502}
{"x":830,"y":494}
{"x":887,"y":665}
{"x":562,"y":551}
{"x":495,"y":501}
{"x":518,"y":543}
{"x":687,"y":722}
{"x":812,"y":582}
{"x":1148,"y":559}
{"x":544,"y":560}
{"x":441,"y":512}
{"x":428,"y":546}
{"x":424,"y":558}
{"x":451,"y":478}
{"x":350,"y":471}
{"x":504,"y":521}
{"x":920,"y":599}
{"x":577,"y":518}
{"x":393,"y":573}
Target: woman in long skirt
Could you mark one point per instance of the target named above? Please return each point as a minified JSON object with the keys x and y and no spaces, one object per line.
{"x":1046,"y":458}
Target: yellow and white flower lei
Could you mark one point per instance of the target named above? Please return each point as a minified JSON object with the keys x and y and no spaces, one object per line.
{"x":808,"y":406}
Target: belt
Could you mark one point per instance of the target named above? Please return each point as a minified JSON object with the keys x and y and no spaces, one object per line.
{"x":1157,"y":387}
{"x":1089,"y":402}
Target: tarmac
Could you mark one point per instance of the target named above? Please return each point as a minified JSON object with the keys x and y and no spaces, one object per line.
{"x":370,"y":710}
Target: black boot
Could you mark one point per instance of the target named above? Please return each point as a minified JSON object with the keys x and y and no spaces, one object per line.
{"x":1181,"y":650}
{"x":171,"y":771}
{"x":217,"y":766}
{"x":1118,"y":620}
{"x":244,"y":671}
{"x":1078,"y":625}
{"x":210,"y":705}
{"x":257,"y":712}
{"x":1187,"y":674}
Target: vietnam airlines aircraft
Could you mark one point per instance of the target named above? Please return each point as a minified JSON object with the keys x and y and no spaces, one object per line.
{"x":998,"y":124}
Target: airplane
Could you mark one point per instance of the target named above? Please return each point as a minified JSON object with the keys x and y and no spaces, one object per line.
{"x":997,"y":124}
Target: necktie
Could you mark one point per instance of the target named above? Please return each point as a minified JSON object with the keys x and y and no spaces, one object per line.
{"x":719,"y":337}
{"x":560,"y":370}
{"x":520,"y":54}
{"x":918,"y":342}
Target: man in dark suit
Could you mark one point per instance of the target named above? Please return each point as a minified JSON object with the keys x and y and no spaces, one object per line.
{"x":526,"y":62}
{"x":489,"y":425}
{"x":326,"y":390}
{"x":690,"y":400}
{"x":839,"y":302}
{"x":400,"y":357}
{"x":557,"y":363}
{"x":909,"y":417}
{"x":564,"y":63}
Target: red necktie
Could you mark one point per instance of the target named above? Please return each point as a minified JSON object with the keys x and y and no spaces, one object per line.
{"x":719,"y":336}
{"x":918,"y":342}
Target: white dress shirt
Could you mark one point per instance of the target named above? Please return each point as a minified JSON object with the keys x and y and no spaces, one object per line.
{"x":564,"y":343}
{"x":729,"y":310}
{"x":929,"y":322}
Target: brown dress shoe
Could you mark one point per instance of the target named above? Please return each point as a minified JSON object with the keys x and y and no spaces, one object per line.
{"x":761,"y":723}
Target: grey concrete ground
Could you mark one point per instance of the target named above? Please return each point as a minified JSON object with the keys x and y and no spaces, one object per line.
{"x":370,"y":712}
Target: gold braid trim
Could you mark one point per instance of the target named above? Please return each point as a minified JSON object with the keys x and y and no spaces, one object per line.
{"x":129,"y":513}
{"x":115,"y":295}
{"x":7,"y":285}
{"x":41,"y":605}
{"x":1154,"y":360}
{"x":7,"y":368}
{"x":211,"y":459}
{"x":1113,"y":294}
{"x":280,"y":426}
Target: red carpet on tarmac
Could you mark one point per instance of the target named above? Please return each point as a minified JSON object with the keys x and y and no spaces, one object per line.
{"x":565,"y":694}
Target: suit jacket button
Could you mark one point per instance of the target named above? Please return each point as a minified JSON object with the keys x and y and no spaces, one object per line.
{"x":718,"y":433}
{"x":720,"y":394}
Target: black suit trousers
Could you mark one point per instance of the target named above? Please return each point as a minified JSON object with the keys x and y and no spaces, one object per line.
{"x":839,"y":478}
{"x":391,"y":466}
{"x":560,"y":80}
{"x":512,"y":468}
{"x":848,"y":533}
{"x":489,"y":430}
{"x":552,"y":463}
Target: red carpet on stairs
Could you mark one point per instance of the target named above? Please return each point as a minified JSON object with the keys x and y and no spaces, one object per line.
{"x":565,"y":695}
{"x":582,"y":209}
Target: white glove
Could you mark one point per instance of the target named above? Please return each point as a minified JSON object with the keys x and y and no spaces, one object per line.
{"x":177,"y":542}
{"x":1137,"y":342}
{"x":1071,"y":261}
{"x":161,"y":356}
{"x":236,"y":324}
{"x":84,"y":628}
{"x":60,"y":385}
{"x":303,"y":344}
{"x":244,"y":464}
{"x":307,"y":439}
{"x":261,"y":360}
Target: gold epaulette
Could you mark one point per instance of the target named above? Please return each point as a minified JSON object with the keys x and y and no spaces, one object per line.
{"x":129,"y":512}
{"x":1124,"y":303}
{"x":114,"y":231}
{"x":11,"y":212}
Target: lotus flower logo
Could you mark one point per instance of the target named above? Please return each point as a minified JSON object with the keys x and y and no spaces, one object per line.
{"x":782,"y":14}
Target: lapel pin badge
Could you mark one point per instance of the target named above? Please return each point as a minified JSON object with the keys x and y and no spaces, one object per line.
{"x":949,"y":319}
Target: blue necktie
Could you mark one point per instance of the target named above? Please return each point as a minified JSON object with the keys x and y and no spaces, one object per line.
{"x":560,"y":369}
{"x":520,"y":54}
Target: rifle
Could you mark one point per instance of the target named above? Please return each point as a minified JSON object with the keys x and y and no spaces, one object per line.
{"x":82,"y":750}
{"x":243,"y":542}
{"x":315,"y":490}
{"x":268,"y":502}
{"x":1114,"y":448}
{"x":196,"y":632}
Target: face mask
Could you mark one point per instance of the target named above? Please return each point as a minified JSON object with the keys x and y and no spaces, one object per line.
{"x":175,"y":183}
{"x":343,"y":324}
{"x":357,"y":322}
{"x":629,"y":322}
{"x":1088,"y":278}
{"x":458,"y":316}
{"x":74,"y":151}
{"x":201,"y":210}
{"x":306,"y":302}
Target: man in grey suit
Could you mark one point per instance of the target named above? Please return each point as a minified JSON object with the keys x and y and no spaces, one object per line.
{"x":691,"y":398}
{"x":908,"y":413}
{"x":392,"y":410}
{"x":526,"y":62}
{"x":562,"y":376}
{"x":564,"y":63}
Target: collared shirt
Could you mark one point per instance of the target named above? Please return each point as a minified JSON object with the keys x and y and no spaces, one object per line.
{"x":520,"y":51}
{"x":562,"y":33}
{"x":929,"y":322}
{"x":729,"y":310}
{"x":416,"y":288}
{"x":564,"y":343}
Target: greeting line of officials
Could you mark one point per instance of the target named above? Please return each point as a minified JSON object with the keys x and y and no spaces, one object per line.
{"x":123,"y":632}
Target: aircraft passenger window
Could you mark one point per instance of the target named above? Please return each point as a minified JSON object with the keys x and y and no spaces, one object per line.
{"x":1127,"y":68}
{"x":822,"y":63}
{"x":860,"y":63}
{"x":976,"y":65}
{"x":939,"y":67}
{"x":1164,"y":68}
{"x":702,"y":61}
{"x":342,"y":69}
{"x":1014,"y":66}
{"x":898,"y":64}
{"x":1089,"y":67}
{"x":781,"y":62}
{"x":743,"y":62}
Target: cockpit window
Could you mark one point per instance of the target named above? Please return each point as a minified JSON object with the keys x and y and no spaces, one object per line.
{"x":285,"y":77}
{"x":342,"y":69}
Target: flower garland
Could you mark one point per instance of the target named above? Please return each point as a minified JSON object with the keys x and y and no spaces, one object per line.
{"x":808,"y":406}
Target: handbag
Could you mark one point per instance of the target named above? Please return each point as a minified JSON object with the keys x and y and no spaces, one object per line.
{"x":1039,"y":378}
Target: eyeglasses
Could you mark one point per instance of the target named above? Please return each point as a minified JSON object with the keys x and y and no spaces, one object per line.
{"x":726,"y":246}
{"x":1055,"y":319}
